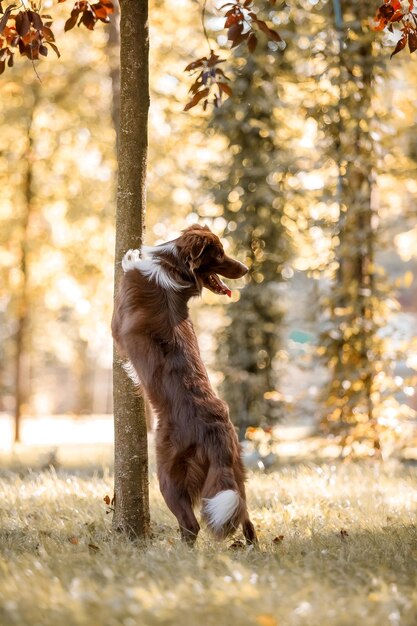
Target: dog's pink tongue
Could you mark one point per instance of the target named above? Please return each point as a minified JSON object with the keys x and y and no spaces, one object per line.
{"x":224,"y":287}
{"x":216,"y":284}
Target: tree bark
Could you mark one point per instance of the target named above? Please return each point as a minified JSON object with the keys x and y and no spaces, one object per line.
{"x":131,"y":514}
{"x":354,"y":348}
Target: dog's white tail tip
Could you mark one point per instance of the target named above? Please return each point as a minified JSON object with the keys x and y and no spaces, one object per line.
{"x":221,"y":508}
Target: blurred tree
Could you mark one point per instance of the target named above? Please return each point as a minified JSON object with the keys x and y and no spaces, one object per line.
{"x":273,"y":198}
{"x":68,"y":167}
{"x":23,"y":304}
{"x":251,"y":194}
{"x":356,"y":308}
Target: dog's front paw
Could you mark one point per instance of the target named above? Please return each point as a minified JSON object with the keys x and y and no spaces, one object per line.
{"x":130,"y":260}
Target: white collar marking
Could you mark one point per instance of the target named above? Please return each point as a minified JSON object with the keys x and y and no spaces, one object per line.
{"x":150,"y":266}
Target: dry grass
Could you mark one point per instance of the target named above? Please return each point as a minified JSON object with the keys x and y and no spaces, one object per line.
{"x":60,"y":565}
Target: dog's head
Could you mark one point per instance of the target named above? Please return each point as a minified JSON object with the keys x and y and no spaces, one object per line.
{"x":202,"y":253}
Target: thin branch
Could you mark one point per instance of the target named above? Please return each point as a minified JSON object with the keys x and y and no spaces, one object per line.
{"x":203,"y":21}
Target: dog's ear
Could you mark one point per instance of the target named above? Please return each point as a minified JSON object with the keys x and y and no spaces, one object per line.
{"x":191,"y":246}
{"x":196,"y":248}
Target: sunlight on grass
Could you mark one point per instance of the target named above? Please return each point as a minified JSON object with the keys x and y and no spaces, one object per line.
{"x":57,"y":430}
{"x":338,"y":545}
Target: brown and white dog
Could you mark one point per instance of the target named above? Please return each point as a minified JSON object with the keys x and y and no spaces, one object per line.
{"x":198,"y":453}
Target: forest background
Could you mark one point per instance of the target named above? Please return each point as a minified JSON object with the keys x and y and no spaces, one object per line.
{"x":308,"y":172}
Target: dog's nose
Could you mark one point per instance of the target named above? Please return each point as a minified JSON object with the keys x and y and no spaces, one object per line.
{"x":243,"y":268}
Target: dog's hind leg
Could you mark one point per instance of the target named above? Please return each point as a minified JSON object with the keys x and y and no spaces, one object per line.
{"x":179,"y":503}
{"x":249,"y":532}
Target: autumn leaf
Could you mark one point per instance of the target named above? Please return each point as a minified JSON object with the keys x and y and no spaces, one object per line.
{"x":206,"y":81}
{"x":54,"y":48}
{"x":22,"y":23}
{"x":266,"y":619}
{"x":233,"y":17}
{"x":73,"y":540}
{"x":400,"y":45}
{"x":93,"y":548}
{"x":225,"y":88}
{"x":235,"y":31}
{"x":88,"y":19}
{"x":72,"y":20}
{"x":48,"y":34}
{"x":252,"y":42}
{"x":269,"y":32}
{"x":195,"y":64}
{"x":103,"y":10}
{"x":35,"y":20}
{"x":412,"y":40}
{"x":5,"y":17}
{"x":196,"y":99}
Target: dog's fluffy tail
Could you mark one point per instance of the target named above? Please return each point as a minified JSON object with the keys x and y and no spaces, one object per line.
{"x":223,"y":507}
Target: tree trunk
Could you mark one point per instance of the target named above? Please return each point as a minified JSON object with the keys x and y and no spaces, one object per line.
{"x":249,"y":343}
{"x":354,"y":350}
{"x":23,"y":303}
{"x":131,"y":460}
{"x":356,"y":250}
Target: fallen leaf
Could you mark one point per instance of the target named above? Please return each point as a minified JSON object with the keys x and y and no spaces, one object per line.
{"x":93,"y":548}
{"x":278,"y":539}
{"x":73,"y":540}
{"x":266,"y":619}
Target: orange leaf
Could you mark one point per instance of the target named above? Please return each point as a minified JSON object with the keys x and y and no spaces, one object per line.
{"x":266,"y":619}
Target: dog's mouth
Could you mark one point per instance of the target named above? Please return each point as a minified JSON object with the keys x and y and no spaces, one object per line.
{"x":215,"y":284}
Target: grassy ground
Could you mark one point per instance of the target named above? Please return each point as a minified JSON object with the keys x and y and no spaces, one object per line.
{"x":338,"y":545}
